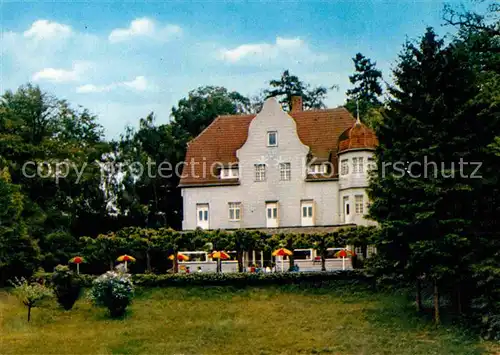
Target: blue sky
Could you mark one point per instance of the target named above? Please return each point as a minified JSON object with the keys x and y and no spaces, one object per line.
{"x":123,"y":60}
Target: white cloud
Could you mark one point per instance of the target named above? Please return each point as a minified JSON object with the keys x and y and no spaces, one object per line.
{"x":144,"y":27}
{"x":138,"y":84}
{"x":294,"y":48}
{"x":62,"y":75}
{"x":44,"y":29}
{"x":90,"y":88}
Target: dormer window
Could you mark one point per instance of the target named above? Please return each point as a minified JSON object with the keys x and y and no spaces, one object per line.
{"x":272,"y":139}
{"x":229,"y":173}
{"x":318,"y":169}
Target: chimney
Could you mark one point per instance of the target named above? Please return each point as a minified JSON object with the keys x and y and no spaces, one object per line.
{"x":296,"y":104}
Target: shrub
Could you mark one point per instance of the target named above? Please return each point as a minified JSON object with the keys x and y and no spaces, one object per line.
{"x":67,"y":286}
{"x":113,"y":290}
{"x":30,"y":293}
{"x":249,"y":279}
{"x":241,"y":279}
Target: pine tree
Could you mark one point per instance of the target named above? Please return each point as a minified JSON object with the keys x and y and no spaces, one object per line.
{"x":424,"y":208}
{"x":290,"y":85}
{"x":366,"y":91}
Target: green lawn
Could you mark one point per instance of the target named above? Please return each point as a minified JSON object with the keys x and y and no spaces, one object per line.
{"x":251,"y":321}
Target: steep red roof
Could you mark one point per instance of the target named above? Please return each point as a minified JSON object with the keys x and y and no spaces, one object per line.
{"x":358,"y":136}
{"x":318,"y":129}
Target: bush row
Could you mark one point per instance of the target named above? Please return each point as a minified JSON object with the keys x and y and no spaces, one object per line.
{"x":234,"y":279}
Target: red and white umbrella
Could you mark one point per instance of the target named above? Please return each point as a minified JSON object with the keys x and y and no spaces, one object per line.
{"x":77,"y":260}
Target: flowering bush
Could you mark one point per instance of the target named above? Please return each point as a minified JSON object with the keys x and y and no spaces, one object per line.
{"x":30,"y":294}
{"x":113,"y":290}
{"x":66,"y":286}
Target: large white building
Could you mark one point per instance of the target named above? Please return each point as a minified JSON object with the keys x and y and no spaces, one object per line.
{"x":278,"y":170}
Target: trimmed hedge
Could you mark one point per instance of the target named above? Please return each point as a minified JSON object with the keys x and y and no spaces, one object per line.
{"x":248,"y":279}
{"x":238,"y":279}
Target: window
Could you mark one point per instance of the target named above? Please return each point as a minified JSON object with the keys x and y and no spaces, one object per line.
{"x":307,"y":211}
{"x":285,"y":171}
{"x":317,"y":169}
{"x":271,"y":214}
{"x":234,"y":211}
{"x":302,"y":254}
{"x":260,"y":172}
{"x":357,"y":165}
{"x":229,"y":173}
{"x":202,"y":216}
{"x":344,"y":167}
{"x":272,"y":139}
{"x":346,"y":205}
{"x":358,"y":199}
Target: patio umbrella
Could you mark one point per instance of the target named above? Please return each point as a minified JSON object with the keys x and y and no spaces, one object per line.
{"x":77,"y":260}
{"x":126,"y":258}
{"x":219,"y":255}
{"x":180,"y":257}
{"x":344,"y":253}
{"x":282,"y":252}
{"x":222,"y":255}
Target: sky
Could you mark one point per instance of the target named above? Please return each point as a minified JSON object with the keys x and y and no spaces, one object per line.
{"x":123,"y":60}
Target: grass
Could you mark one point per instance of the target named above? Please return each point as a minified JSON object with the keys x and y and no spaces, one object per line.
{"x":273,"y":320}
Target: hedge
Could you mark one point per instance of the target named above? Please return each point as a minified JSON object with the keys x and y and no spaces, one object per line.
{"x":236,"y":279}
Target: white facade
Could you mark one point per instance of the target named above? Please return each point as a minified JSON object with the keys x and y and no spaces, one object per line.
{"x":278,"y":194}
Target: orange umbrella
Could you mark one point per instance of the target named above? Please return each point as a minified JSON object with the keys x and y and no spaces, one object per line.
{"x":180,"y":256}
{"x":219,"y":255}
{"x":77,"y":260}
{"x":126,"y":258}
{"x":344,"y":253}
{"x":282,"y":252}
{"x":222,"y":255}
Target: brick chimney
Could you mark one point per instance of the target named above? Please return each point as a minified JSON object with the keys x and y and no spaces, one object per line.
{"x":296,"y":104}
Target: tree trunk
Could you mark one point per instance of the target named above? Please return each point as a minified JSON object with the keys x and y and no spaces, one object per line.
{"x":458,"y":298}
{"x":240,"y":261}
{"x":291,"y":260}
{"x":418,"y":298}
{"x":437,"y":317}
{"x":148,"y":261}
{"x":111,"y":265}
{"x":29,"y":313}
{"x":176,"y":263}
{"x":323,"y":262}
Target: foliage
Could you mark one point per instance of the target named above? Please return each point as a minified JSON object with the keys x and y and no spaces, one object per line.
{"x":445,"y":229}
{"x":366,"y":92}
{"x":67,"y":286}
{"x":194,"y":113}
{"x":19,"y":254}
{"x":37,"y":128}
{"x":321,"y":242}
{"x":114,"y":291}
{"x":290,"y":85}
{"x":30,"y":294}
{"x":249,"y":279}
{"x":106,"y":247}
